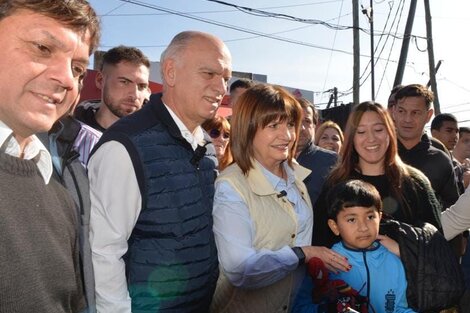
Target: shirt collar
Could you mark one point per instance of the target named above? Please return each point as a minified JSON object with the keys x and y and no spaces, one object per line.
{"x":195,"y":138}
{"x":34,"y":150}
{"x":277,"y":182}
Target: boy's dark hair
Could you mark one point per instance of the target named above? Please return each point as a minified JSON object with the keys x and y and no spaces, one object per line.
{"x":464,"y":130}
{"x":241,"y":83}
{"x":441,"y":118}
{"x":122,"y":53}
{"x":415,"y":90}
{"x":350,"y":194}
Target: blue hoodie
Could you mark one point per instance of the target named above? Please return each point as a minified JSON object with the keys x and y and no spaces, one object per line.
{"x":378,"y":274}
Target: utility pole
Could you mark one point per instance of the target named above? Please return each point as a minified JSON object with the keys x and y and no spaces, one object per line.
{"x":437,"y":69}
{"x":356,"y":51}
{"x":432,"y":68}
{"x":333,"y":98}
{"x":405,"y":44}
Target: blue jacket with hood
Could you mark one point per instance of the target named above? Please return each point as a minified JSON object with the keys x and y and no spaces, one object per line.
{"x":378,"y":274}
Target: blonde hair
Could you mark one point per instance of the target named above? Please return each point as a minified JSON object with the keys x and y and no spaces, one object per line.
{"x":328,"y":124}
{"x":223,"y":125}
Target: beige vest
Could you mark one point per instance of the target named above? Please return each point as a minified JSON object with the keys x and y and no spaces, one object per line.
{"x":275,"y":225}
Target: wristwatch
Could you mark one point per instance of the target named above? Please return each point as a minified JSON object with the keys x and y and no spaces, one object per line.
{"x":300,"y":254}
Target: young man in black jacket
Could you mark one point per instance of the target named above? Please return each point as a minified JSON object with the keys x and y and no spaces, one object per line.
{"x":412,"y":111}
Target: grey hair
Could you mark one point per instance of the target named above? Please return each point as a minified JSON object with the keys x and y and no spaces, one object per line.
{"x":178,"y":44}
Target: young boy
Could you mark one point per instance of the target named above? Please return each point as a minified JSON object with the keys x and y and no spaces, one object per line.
{"x":354,"y":212}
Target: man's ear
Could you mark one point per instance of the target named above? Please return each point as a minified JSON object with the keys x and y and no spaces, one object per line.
{"x":99,"y":80}
{"x":430,"y":113}
{"x":169,"y":72}
{"x":333,"y":226}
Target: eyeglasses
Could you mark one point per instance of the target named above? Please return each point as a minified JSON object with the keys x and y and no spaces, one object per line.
{"x":215,"y":133}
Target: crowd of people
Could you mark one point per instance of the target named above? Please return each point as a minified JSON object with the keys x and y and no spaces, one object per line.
{"x":141,"y":202}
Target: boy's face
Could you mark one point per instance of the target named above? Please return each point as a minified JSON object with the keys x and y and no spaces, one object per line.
{"x":357,"y":226}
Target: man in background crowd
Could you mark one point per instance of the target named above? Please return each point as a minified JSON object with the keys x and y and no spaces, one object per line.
{"x":411,"y":113}
{"x":318,"y":160}
{"x":445,"y":128}
{"x":124,"y":83}
{"x":237,"y":88}
{"x":461,"y":153}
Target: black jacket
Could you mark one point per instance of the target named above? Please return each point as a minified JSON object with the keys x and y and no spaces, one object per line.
{"x":436,"y":165}
{"x":435,"y":280}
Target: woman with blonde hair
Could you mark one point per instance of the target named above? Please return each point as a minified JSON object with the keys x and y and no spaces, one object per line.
{"x":218,"y":129}
{"x":262,"y":212}
{"x":329,"y":136}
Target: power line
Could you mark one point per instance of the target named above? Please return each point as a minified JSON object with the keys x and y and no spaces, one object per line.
{"x":237,"y":28}
{"x":402,"y":2}
{"x":459,"y":111}
{"x":455,"y":84}
{"x":457,"y":105}
{"x":349,"y":91}
{"x":263,"y":13}
{"x":229,"y":40}
{"x":216,"y":11}
{"x":332,"y":46}
{"x":112,"y":10}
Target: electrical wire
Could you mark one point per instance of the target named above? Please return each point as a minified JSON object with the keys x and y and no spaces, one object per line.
{"x":417,"y":47}
{"x":218,"y":11}
{"x":391,"y":47}
{"x":263,"y":13}
{"x":332,"y":46}
{"x":361,"y":77}
{"x":237,"y":28}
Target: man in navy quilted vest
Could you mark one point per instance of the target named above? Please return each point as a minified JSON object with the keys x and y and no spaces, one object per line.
{"x":152,"y":183}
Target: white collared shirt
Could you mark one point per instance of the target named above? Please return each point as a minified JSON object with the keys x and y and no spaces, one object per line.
{"x":115,"y":207}
{"x":34,"y":150}
{"x":234,"y":231}
{"x":195,"y":138}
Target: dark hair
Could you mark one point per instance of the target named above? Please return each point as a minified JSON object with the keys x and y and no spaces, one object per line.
{"x":350,"y":194}
{"x":257,"y":107}
{"x":241,"y":83}
{"x":440,"y":119}
{"x":304,"y":103}
{"x":392,"y":98}
{"x":464,"y":130}
{"x":415,"y":90}
{"x":395,"y":169}
{"x":78,"y":15}
{"x":122,"y":53}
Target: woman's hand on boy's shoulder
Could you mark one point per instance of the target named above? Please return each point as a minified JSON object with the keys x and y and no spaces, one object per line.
{"x":390,"y":244}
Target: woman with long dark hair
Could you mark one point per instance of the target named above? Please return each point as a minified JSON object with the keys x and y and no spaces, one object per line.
{"x":370,"y":154}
